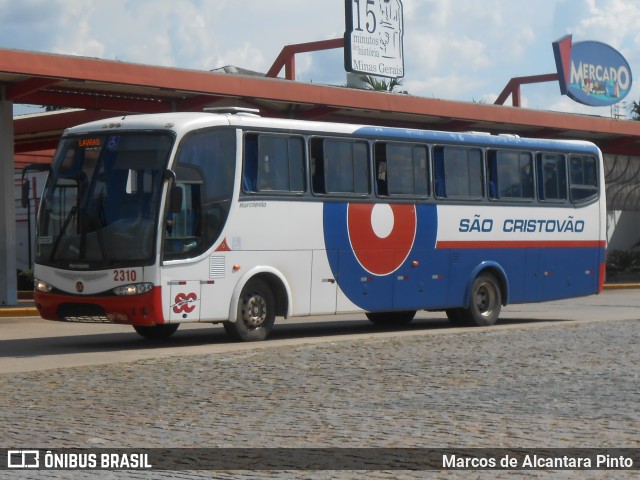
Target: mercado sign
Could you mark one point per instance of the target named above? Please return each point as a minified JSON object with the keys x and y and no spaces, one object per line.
{"x":374,"y":32}
{"x":591,"y":73}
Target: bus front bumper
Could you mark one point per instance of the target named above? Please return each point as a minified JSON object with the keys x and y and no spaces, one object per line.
{"x":143,"y":309}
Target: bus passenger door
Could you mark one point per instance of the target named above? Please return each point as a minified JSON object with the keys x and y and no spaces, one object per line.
{"x":324,"y":285}
{"x":185,"y":301}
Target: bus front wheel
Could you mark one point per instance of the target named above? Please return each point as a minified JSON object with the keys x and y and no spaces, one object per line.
{"x":485,"y":302}
{"x":156,"y":332}
{"x":256,"y":313}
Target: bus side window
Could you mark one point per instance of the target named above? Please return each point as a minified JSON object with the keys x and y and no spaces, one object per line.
{"x":183,"y":223}
{"x":583,"y":172}
{"x":317,"y":167}
{"x":343,"y":167}
{"x":552,"y":177}
{"x":401,"y":169}
{"x":421,"y":170}
{"x":510,"y":175}
{"x":297,"y":172}
{"x":380,"y":153}
{"x":360,"y":168}
{"x":205,"y":169}
{"x":462,"y":172}
{"x":438,"y":165}
{"x":250,"y":173}
{"x":273,"y":163}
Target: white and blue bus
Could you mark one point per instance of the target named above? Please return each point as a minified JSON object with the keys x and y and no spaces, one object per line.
{"x":155,"y":220}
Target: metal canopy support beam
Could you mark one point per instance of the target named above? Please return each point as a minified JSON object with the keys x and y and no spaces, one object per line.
{"x":8,"y":278}
{"x":513,"y":87}
{"x":287,"y":57}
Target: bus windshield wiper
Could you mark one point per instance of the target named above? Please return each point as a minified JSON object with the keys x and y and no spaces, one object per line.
{"x":72,"y":213}
{"x":101,"y":225}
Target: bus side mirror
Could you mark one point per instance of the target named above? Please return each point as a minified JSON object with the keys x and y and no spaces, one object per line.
{"x":175,"y":192}
{"x":175,"y":200}
{"x":33,"y":167}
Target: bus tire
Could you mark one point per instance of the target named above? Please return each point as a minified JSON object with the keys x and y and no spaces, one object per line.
{"x":485,"y":301}
{"x":391,"y":319}
{"x":156,"y":332}
{"x":256,"y":313}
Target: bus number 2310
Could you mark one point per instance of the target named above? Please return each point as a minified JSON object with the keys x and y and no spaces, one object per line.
{"x":124,"y":276}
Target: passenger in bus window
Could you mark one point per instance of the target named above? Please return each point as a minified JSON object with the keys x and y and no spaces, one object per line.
{"x":381,"y":178}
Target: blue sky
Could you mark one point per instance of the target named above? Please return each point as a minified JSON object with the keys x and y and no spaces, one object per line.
{"x":463,"y":50}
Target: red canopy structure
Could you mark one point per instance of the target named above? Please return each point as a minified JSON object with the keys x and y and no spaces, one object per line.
{"x":97,"y":88}
{"x":89,"y":89}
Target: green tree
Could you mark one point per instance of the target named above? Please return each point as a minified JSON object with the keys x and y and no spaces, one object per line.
{"x":635,"y":110}
{"x":380,"y":85}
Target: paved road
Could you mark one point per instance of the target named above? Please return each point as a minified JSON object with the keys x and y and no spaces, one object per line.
{"x":30,"y":343}
{"x":562,"y":374}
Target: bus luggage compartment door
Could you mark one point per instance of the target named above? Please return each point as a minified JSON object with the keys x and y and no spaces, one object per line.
{"x":323,"y":283}
{"x":185,"y":301}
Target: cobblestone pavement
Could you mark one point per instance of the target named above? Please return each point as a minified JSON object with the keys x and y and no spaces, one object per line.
{"x":571,"y":385}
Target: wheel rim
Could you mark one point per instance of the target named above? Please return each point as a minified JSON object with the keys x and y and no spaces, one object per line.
{"x":254,"y":311}
{"x":486,"y":296}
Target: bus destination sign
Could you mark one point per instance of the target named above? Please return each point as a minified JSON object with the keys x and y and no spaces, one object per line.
{"x":373,"y":37}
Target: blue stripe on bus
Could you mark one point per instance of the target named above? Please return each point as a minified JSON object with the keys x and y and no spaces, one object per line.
{"x":495,"y":141}
{"x":435,"y":278}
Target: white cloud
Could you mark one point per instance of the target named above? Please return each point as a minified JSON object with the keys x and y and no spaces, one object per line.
{"x":447,"y":86}
{"x":609,"y":20}
{"x":77,"y":23}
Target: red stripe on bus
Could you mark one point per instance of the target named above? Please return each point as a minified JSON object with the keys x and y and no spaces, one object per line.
{"x":522,"y":244}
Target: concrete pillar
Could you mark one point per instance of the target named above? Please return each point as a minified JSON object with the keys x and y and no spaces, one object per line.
{"x":8,"y":280}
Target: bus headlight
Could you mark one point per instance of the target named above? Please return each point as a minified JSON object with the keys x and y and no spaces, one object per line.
{"x":42,"y":286}
{"x":133,"y":289}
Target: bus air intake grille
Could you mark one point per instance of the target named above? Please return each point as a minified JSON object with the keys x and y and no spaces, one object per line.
{"x":217,"y":266}
{"x":80,"y":313}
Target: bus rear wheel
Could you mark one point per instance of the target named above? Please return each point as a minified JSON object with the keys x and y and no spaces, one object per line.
{"x":156,"y":332}
{"x":390,"y":319}
{"x":256,"y":313}
{"x":485,"y":302}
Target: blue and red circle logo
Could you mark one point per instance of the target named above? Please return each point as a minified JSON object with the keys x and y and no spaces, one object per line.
{"x":381,"y":235}
{"x":370,"y":245}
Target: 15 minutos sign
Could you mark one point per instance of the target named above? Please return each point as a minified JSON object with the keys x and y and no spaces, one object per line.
{"x":374,"y":32}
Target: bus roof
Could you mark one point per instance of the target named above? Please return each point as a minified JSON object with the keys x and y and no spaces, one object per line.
{"x":477,"y":138}
{"x":182,"y":122}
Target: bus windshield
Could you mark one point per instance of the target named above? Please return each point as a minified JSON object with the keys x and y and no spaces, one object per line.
{"x":100,"y":205}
